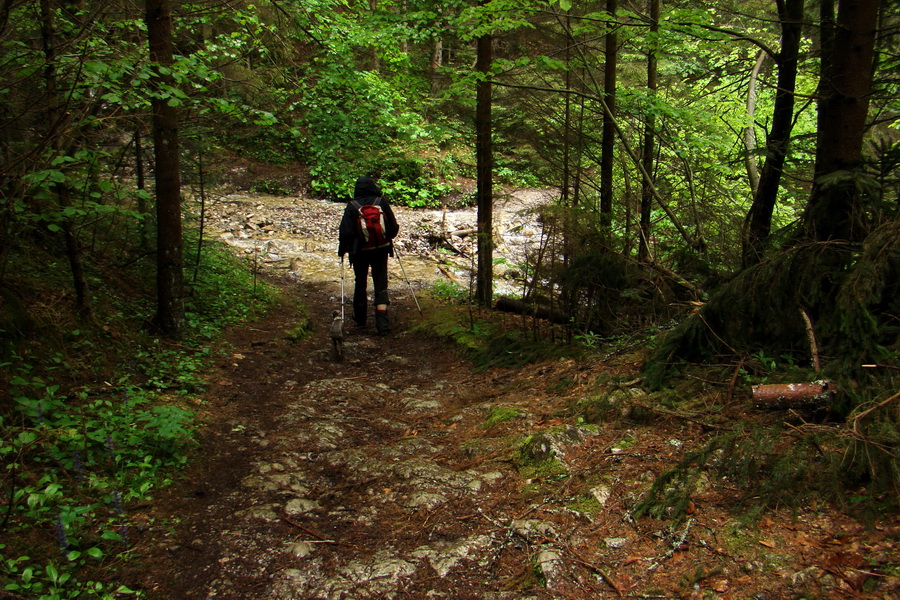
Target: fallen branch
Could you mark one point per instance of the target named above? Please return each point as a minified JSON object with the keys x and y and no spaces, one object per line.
{"x":450,"y":276}
{"x":697,"y":292}
{"x":813,"y":346}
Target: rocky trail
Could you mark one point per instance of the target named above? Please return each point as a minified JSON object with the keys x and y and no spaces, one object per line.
{"x":400,"y":471}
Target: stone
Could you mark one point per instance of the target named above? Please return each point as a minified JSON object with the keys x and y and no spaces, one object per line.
{"x":549,"y":562}
{"x":601,"y":494}
{"x":301,"y":506}
{"x":531,"y":528}
{"x":264,"y":512}
{"x":301,"y":549}
{"x":425,"y":500}
{"x":444,"y":556}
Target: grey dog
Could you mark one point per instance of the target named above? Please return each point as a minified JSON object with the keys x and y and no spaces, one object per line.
{"x":337,"y":335}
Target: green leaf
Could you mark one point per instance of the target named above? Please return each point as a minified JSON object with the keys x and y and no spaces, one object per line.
{"x":95,"y":552}
{"x":27,"y":437}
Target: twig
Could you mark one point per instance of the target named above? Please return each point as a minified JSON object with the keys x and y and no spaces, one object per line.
{"x":321,"y":539}
{"x":675,"y":545}
{"x":602,"y":573}
{"x":876,"y":407}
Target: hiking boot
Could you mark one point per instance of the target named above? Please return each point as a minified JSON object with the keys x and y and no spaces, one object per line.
{"x":382,"y":324}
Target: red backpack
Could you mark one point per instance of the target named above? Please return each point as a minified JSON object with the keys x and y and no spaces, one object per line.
{"x":371,"y":225}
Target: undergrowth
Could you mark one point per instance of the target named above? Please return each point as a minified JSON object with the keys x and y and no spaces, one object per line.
{"x":488,"y":340}
{"x":96,"y":414}
{"x":851,"y":466}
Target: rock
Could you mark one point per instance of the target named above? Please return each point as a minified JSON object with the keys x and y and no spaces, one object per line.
{"x":301,"y":549}
{"x":443,"y":556}
{"x":532,"y":528}
{"x":301,"y":506}
{"x":549,"y":563}
{"x":260,"y":483}
{"x":553,"y":443}
{"x":601,"y":493}
{"x":264,"y":512}
{"x":615,"y":542}
{"x":425,"y":500}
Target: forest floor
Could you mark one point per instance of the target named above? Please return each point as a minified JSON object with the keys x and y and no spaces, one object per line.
{"x":399,"y":473}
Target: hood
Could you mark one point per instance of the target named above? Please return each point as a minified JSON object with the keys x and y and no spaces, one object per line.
{"x":366,"y":188}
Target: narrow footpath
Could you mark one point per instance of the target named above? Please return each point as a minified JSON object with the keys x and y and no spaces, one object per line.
{"x":402,"y":472}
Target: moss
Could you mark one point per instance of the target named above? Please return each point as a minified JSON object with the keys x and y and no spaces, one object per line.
{"x":501,"y":414}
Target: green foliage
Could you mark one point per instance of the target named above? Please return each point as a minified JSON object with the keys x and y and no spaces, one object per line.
{"x":501,"y":414}
{"x":447,"y":290}
{"x":265,"y":186}
{"x":225,"y":292}
{"x":100,"y":415}
{"x":772,"y":469}
{"x":75,"y":463}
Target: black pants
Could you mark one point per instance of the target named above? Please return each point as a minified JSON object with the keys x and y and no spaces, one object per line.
{"x":362,"y":261}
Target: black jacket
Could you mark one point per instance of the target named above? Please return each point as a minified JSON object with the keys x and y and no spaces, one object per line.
{"x":348,"y":233}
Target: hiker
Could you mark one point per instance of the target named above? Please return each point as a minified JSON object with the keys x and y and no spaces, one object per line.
{"x":365,"y":233}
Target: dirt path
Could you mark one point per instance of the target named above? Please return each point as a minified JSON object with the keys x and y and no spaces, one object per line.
{"x":382,"y":476}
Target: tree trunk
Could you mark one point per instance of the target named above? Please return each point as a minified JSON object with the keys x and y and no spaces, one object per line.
{"x":55,"y":118}
{"x":484,"y":289}
{"x":609,"y":132}
{"x":758,"y":222}
{"x":141,"y":186}
{"x":750,"y":132}
{"x":169,"y":244}
{"x":376,"y":59}
{"x":845,"y":86}
{"x":437,"y":61}
{"x":649,"y":151}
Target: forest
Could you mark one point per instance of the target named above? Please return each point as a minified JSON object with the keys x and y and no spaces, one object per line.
{"x":726,"y":178}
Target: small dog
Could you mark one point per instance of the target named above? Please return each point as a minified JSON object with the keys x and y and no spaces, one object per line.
{"x":337,"y":335}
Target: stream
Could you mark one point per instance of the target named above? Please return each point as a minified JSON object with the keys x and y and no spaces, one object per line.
{"x":299,"y":235}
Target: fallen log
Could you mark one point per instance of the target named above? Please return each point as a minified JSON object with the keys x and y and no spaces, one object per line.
{"x":815,"y":394}
{"x":540,"y":311}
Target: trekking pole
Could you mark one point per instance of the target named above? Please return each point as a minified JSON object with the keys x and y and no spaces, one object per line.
{"x":342,"y":288}
{"x":397,"y":254}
